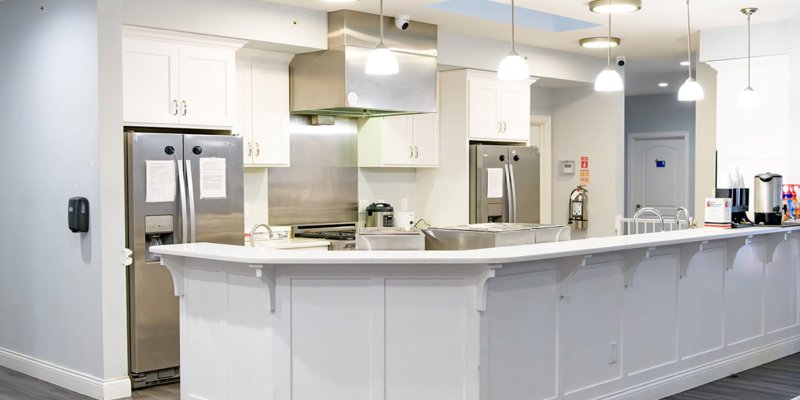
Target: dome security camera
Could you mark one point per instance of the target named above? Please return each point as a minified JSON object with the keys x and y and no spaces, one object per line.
{"x":402,"y":22}
{"x":621,"y":61}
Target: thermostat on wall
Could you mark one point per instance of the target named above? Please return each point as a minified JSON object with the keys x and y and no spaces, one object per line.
{"x":568,"y":167}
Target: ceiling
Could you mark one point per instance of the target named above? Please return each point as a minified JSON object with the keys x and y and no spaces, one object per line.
{"x":653,"y":39}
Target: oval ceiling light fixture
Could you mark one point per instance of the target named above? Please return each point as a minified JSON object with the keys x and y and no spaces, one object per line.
{"x":513,"y":67}
{"x":609,"y":79}
{"x":690,"y":90}
{"x":381,"y":61}
{"x":663,"y":84}
{"x":748,"y":99}
{"x":615,"y":6}
{"x":600,"y":42}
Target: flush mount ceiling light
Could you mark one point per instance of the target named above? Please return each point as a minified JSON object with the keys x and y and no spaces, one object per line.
{"x":690,"y":90}
{"x":615,"y":6}
{"x":685,"y":63}
{"x":513,"y":67}
{"x":381,"y":61}
{"x":608,"y":80}
{"x":663,"y":84}
{"x":600,"y":42}
{"x":748,"y":98}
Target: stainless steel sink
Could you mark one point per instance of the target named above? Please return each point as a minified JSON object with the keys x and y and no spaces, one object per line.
{"x":481,"y":236}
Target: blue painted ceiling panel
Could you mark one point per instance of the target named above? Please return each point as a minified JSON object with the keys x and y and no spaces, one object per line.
{"x":525,"y":17}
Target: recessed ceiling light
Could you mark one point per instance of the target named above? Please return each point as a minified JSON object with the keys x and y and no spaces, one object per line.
{"x":663,"y":84}
{"x":615,"y":6}
{"x":599,"y":42}
{"x":684,"y":63}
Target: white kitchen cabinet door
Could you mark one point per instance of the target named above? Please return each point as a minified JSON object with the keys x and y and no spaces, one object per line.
{"x":398,"y":143}
{"x":425,"y":131}
{"x":514,"y":111}
{"x":150,"y":82}
{"x":270,"y":113}
{"x":483,"y":104}
{"x":243,"y":125}
{"x":207,"y":86}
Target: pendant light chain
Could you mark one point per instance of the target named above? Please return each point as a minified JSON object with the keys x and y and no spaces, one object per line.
{"x":748,"y":49}
{"x":609,"y":33}
{"x":513,"y":39}
{"x":381,"y":44}
{"x":689,"y":38}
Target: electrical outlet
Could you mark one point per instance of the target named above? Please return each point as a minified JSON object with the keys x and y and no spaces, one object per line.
{"x":613,"y":354}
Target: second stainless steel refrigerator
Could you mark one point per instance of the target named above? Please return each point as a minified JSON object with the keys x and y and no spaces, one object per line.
{"x":504,"y":184}
{"x":181,"y":188}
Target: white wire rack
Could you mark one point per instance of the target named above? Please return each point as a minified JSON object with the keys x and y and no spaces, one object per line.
{"x":625,"y":226}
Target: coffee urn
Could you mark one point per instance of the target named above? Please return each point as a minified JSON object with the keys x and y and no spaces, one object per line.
{"x":768,"y":199}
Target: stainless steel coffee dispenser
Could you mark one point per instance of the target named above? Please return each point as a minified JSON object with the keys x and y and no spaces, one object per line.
{"x":768,"y":198}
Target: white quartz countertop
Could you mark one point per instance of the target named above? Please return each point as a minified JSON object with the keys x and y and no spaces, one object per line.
{"x":289,"y":243}
{"x":498,"y":255}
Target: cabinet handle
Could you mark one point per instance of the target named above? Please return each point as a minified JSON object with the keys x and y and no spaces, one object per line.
{"x":410,"y":152}
{"x":258,"y":149}
{"x":416,"y":152}
{"x":174,"y":107}
{"x":249,"y":149}
{"x":505,"y":126}
{"x":499,"y":127}
{"x":185,"y":107}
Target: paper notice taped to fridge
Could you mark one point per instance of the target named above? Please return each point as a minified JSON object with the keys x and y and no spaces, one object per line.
{"x":494,"y":183}
{"x":212,"y":178}
{"x":160,"y":181}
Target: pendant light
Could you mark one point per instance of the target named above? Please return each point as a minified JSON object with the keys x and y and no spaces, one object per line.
{"x":690,"y":90}
{"x":608,"y":80}
{"x":381,"y":61}
{"x":513,"y":67}
{"x":748,"y":98}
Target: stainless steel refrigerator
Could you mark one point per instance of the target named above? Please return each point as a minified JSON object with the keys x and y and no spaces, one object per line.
{"x":180,"y":188}
{"x":504,"y":184}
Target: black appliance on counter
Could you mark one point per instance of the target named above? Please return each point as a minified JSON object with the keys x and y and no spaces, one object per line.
{"x":740,"y":204}
{"x":342,"y":236}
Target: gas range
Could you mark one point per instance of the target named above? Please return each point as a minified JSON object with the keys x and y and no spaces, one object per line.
{"x":342,"y":236}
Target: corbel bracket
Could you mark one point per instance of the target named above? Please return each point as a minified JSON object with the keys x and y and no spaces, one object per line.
{"x":481,"y":287}
{"x":267,"y":275}
{"x":568,"y":266}
{"x":177,"y":268}
{"x":733,"y":247}
{"x":634,"y":258}
{"x":774,"y":241}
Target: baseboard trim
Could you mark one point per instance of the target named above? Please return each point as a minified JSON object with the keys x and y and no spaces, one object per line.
{"x":85,"y":384}
{"x":701,"y":375}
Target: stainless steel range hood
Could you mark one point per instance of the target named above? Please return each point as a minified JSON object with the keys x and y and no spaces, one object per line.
{"x":333,"y":82}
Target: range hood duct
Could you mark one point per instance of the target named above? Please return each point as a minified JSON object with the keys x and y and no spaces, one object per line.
{"x":333,"y":82}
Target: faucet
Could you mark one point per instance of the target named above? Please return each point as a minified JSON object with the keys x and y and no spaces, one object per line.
{"x":685,"y":215}
{"x":648,"y":210}
{"x":253,"y":232}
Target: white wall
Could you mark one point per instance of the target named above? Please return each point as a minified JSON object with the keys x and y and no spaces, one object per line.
{"x":392,"y":185}
{"x":705,"y":140}
{"x":588,"y":123}
{"x":541,"y":100}
{"x":54,"y":303}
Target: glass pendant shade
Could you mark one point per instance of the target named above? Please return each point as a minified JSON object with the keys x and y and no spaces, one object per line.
{"x":608,"y":81}
{"x":691,"y":91}
{"x":382,"y":61}
{"x":513,"y":68}
{"x":748,"y":99}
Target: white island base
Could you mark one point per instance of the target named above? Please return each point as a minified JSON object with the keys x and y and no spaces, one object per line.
{"x":634,"y":317}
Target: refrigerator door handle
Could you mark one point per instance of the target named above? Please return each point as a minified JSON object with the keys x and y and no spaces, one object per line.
{"x":190,"y":196}
{"x":509,"y":205}
{"x":513,"y":196}
{"x":182,"y":189}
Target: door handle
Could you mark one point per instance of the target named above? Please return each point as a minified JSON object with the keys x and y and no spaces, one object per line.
{"x":258,"y":149}
{"x":513,"y":196}
{"x":182,"y":190}
{"x":505,"y":126}
{"x":499,"y":126}
{"x":174,"y":107}
{"x":249,"y":149}
{"x":190,"y":186}
{"x":185,"y":107}
{"x":507,"y":173}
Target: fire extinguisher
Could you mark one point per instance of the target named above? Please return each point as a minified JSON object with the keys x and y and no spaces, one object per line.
{"x":579,"y":208}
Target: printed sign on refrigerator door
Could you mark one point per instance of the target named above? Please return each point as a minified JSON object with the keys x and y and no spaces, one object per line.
{"x":159,"y":181}
{"x":212,"y":178}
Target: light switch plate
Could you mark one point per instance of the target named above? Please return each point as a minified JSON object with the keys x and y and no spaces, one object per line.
{"x":568,"y":167}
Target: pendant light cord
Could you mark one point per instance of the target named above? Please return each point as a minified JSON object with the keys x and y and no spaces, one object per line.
{"x":689,"y":38}
{"x":609,"y":34}
{"x":513,"y":41}
{"x":748,"y":50}
{"x":381,"y":43}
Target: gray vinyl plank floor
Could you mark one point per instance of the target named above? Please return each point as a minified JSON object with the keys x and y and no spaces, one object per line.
{"x":778,"y":380}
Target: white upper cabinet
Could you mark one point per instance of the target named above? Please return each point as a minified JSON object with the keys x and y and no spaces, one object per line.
{"x":262,"y":95}
{"x":498,"y":110}
{"x":178,"y":80}
{"x":399,"y":141}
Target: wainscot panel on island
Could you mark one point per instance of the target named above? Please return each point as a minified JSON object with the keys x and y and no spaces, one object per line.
{"x":633,"y":317}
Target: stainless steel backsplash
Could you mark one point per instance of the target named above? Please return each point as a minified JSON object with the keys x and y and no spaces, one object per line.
{"x":321,"y":186}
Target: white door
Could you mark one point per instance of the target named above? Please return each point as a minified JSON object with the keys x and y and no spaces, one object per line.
{"x":397,"y":143}
{"x":270,"y":114}
{"x":243,"y":125}
{"x":658,"y":172}
{"x":150,"y":82}
{"x":541,"y":138}
{"x":483,"y":121}
{"x":207,"y":86}
{"x":514,"y":99}
{"x":425,"y":131}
